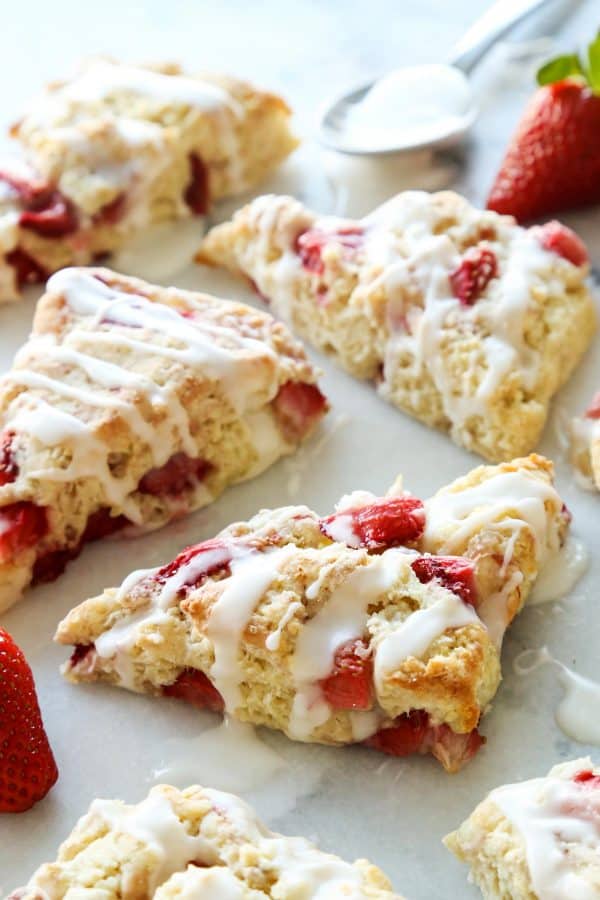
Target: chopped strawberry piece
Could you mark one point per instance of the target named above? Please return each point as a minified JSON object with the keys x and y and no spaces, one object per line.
{"x":299,"y":406}
{"x":27,"y":270}
{"x":22,"y":525}
{"x":53,"y":216}
{"x":8,"y":467}
{"x":215,"y":556}
{"x":588,"y":779}
{"x":473,"y":274}
{"x":350,"y":685}
{"x":309,"y":245}
{"x":197,"y":193}
{"x":413,"y":733}
{"x":593,"y":410}
{"x":454,"y":572}
{"x":195,"y":688}
{"x":100,"y":524}
{"x":387,"y":523}
{"x":28,"y":184}
{"x":563,"y":241}
{"x":406,"y":735}
{"x":112,"y":212}
{"x":79,"y":654}
{"x":27,"y":766}
{"x":180,"y":473}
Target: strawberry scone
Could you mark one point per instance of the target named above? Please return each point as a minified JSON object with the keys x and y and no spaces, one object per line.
{"x":195,"y":843}
{"x":462,"y":318}
{"x":131,"y":405}
{"x":381,"y":623}
{"x":538,"y":839}
{"x":585,"y":445}
{"x":118,"y":148}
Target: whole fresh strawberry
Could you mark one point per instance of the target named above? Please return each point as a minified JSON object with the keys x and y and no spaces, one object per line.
{"x":27,"y":766}
{"x":553,"y":160}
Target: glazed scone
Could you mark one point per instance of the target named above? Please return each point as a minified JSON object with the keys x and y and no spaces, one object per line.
{"x":131,"y":405}
{"x":585,"y":446}
{"x":195,"y":843}
{"x":462,"y":318}
{"x":118,"y":148}
{"x":355,"y":627}
{"x":538,"y":839}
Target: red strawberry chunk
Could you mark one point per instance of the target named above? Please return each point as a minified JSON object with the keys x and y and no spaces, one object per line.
{"x":455,"y":573}
{"x":197,"y":193}
{"x":179,"y":473}
{"x":593,"y":410}
{"x":8,"y":467}
{"x":22,"y":525}
{"x":473,"y":274}
{"x":588,"y":779}
{"x":563,"y":241}
{"x":309,"y":245}
{"x":53,"y":216}
{"x":387,"y":523}
{"x":350,"y":685}
{"x":299,"y":406}
{"x":27,"y":766}
{"x":112,"y":212}
{"x":406,"y":735}
{"x":195,"y":688}
{"x":79,"y":654}
{"x":27,"y":270}
{"x":413,"y":733}
{"x":215,"y":556}
{"x":28,"y":184}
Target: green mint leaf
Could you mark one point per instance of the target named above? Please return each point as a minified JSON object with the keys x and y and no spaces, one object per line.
{"x":561,"y":67}
{"x":593,"y":72}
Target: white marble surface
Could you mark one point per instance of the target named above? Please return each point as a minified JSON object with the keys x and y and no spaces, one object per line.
{"x":109,"y":743}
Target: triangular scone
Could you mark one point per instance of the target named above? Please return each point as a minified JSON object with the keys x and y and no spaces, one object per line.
{"x":195,"y":843}
{"x":131,"y":405}
{"x":462,"y":318}
{"x":118,"y":148}
{"x":585,"y":445}
{"x":537,"y":838}
{"x":356,"y":627}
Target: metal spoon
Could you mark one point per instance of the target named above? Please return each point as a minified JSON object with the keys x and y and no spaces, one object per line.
{"x":334,"y":130}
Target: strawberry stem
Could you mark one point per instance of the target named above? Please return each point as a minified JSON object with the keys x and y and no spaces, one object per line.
{"x":570,"y":65}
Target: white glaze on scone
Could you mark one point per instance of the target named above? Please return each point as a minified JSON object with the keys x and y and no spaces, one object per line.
{"x":195,"y":843}
{"x":261,"y":620}
{"x":378,"y":294}
{"x":138,"y":402}
{"x":536,"y":839}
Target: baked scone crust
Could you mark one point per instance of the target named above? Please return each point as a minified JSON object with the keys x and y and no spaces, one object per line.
{"x":505,"y":864}
{"x":585,"y":446}
{"x":395,"y":298}
{"x":133,"y":404}
{"x":118,"y":148}
{"x":261,"y":613}
{"x":191,"y":844}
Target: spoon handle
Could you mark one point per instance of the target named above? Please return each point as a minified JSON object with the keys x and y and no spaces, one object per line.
{"x":497,"y":20}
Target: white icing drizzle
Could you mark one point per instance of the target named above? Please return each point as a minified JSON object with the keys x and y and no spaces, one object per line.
{"x":273,"y":640}
{"x":342,"y":618}
{"x":154,"y":823}
{"x":245,"y":367}
{"x":578,"y":713}
{"x":421,"y":628}
{"x":561,"y":573}
{"x":556,"y":819}
{"x":454,"y":516}
{"x":250,"y":577}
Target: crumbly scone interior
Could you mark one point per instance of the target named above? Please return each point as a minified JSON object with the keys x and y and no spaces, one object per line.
{"x":260,"y":613}
{"x":187,"y":844}
{"x":377,"y":294}
{"x":536,"y":838}
{"x":131,"y":405}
